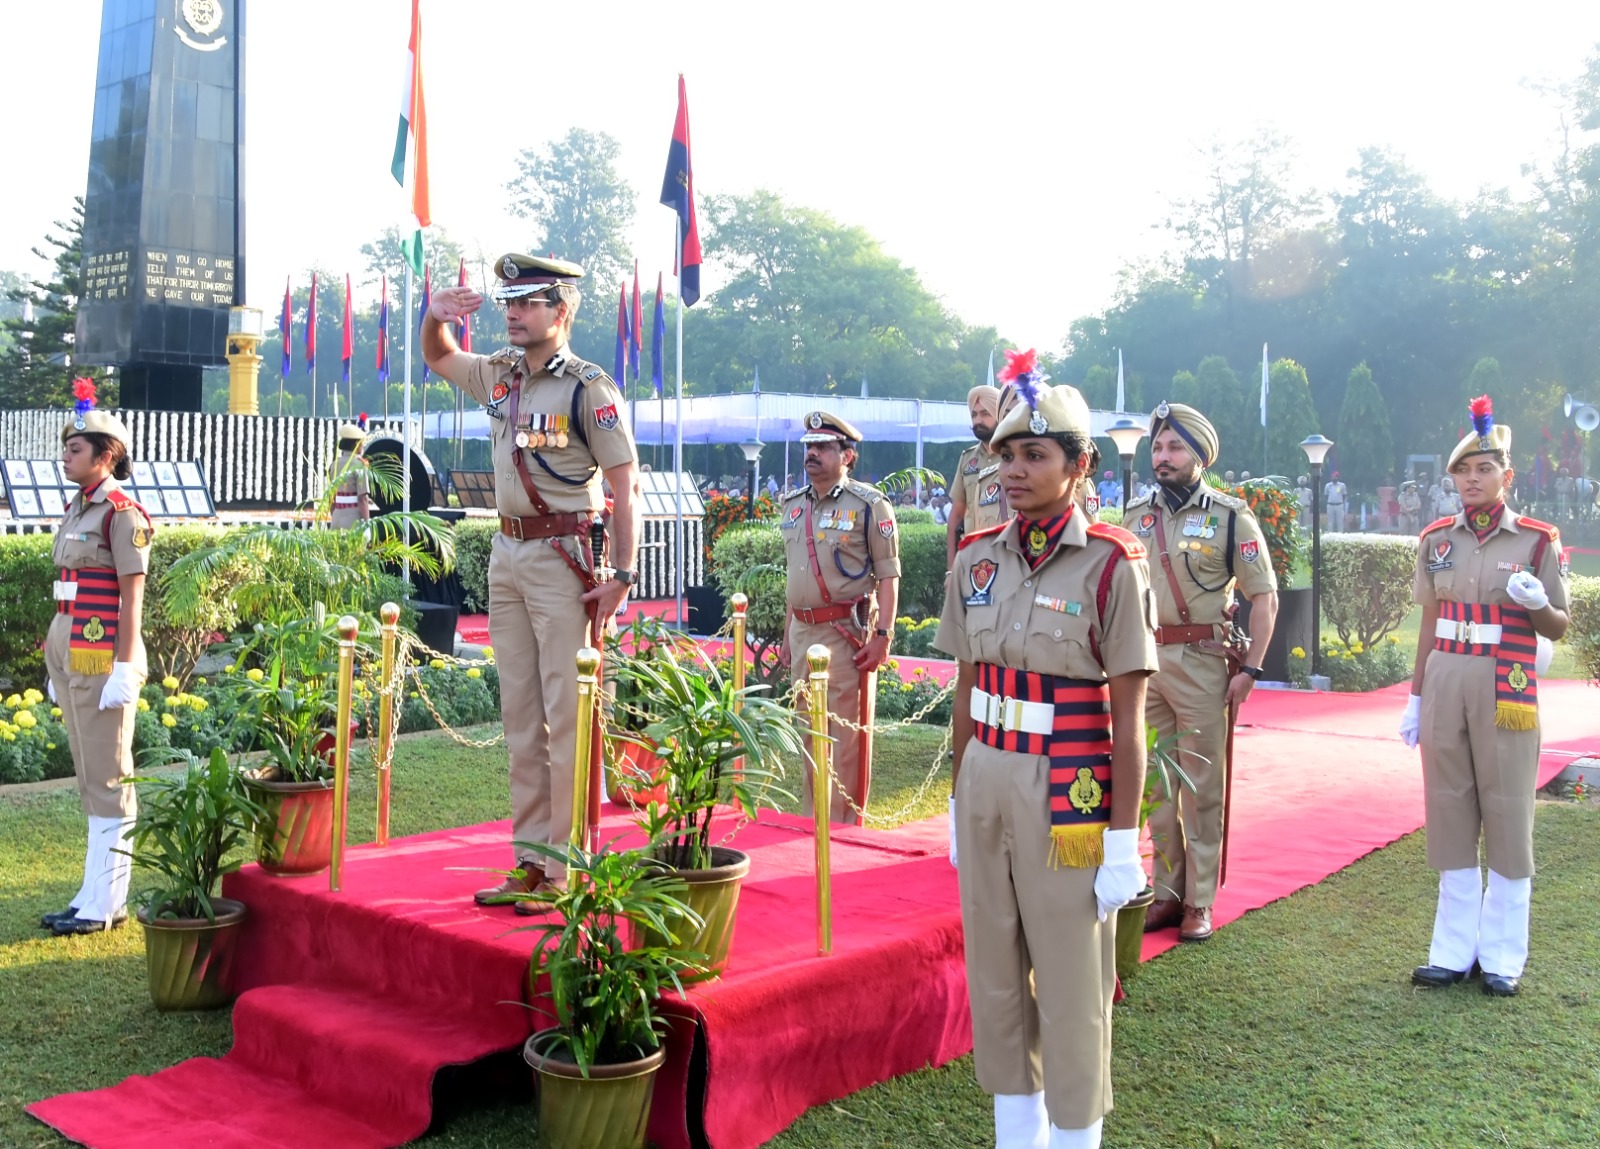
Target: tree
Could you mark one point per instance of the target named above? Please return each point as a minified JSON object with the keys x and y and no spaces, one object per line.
{"x":1291,"y":417}
{"x":36,"y":366}
{"x":1366,"y":448}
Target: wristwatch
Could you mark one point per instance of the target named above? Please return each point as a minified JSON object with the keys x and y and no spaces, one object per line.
{"x":625,"y":577}
{"x":1253,"y":671}
{"x":881,"y":633}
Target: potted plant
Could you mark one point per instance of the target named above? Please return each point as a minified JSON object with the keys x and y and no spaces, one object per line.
{"x":1161,"y":774}
{"x":718,"y":747}
{"x":595,"y":1067}
{"x":187,"y":832}
{"x":632,"y":766}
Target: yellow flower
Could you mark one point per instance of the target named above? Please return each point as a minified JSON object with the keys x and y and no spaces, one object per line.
{"x":893,"y":664}
{"x":171,"y":700}
{"x":1298,"y":652}
{"x":31,"y":696}
{"x":488,"y":652}
{"x":168,"y":721}
{"x":55,"y":712}
{"x":254,"y":674}
{"x":1356,"y":648}
{"x":474,"y":672}
{"x":169,"y":683}
{"x":200,"y":682}
{"x":8,"y":736}
{"x":142,"y":704}
{"x":436,"y":663}
{"x":359,"y":686}
{"x":14,"y":701}
{"x":49,"y":745}
{"x":1393,"y":641}
{"x":229,"y":669}
{"x":197,"y":704}
{"x":26,"y":720}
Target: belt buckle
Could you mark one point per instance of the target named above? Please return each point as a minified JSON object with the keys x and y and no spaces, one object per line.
{"x":1464,"y":632}
{"x":1011,"y":712}
{"x":516,"y":522}
{"x":993,"y":705}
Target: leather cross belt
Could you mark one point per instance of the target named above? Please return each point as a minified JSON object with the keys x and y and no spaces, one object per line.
{"x":524,"y":527}
{"x":834,"y":613}
{"x":1174,"y":635}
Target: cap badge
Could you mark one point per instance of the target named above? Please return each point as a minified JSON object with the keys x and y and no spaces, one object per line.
{"x":78,"y":423}
{"x":1485,"y":443}
{"x":1163,"y":409}
{"x":814,"y":421}
{"x":1038,"y":424}
{"x":508,"y":268}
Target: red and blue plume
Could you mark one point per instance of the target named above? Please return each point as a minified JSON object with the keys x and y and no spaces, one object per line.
{"x":1022,"y":370}
{"x":83,"y":391}
{"x":1482,"y":415}
{"x":361,"y":420}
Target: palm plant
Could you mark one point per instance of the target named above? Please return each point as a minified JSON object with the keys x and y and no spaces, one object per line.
{"x":187,"y":827}
{"x":604,"y":988}
{"x":1162,"y":774}
{"x":287,"y":674}
{"x":717,"y":746}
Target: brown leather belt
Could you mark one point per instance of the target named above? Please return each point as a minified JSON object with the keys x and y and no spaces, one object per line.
{"x":525,"y":527}
{"x":1174,"y":635}
{"x":839,"y":610}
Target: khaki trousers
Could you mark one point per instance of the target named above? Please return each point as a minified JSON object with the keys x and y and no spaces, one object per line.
{"x":1189,"y":694}
{"x":537,"y":626}
{"x":844,"y":699}
{"x":101,"y":740}
{"x":1041,"y":967}
{"x":1477,"y":778}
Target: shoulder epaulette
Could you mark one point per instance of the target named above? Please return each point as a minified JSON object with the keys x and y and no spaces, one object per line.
{"x":794,"y":494}
{"x":864,"y":490}
{"x":585,"y":371}
{"x":506,"y":355}
{"x":1444,"y":522}
{"x":1223,"y":499}
{"x":1125,"y":540}
{"x":1539,"y":525}
{"x":967,"y":540}
{"x":120,"y":500}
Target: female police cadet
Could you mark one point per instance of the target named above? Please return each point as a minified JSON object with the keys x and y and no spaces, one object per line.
{"x":94,"y":652}
{"x":1049,"y":617}
{"x":1490,"y":584}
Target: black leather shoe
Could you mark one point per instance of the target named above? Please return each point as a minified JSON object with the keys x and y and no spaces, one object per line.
{"x":1496,"y":985}
{"x":64,"y":927}
{"x":50,"y":919}
{"x":1437,"y":976}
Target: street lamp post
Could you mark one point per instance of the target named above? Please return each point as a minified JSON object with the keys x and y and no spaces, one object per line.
{"x":1126,"y":433}
{"x":752,"y":455}
{"x":1316,"y":448}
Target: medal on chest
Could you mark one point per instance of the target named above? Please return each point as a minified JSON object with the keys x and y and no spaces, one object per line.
{"x":543,"y":431}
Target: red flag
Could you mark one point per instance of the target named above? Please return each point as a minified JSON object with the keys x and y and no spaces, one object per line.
{"x":636,"y":332}
{"x":677,"y":192}
{"x":466,"y":320}
{"x":311,"y":328}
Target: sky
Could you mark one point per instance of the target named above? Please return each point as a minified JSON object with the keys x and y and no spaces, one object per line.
{"x":1016,"y":155}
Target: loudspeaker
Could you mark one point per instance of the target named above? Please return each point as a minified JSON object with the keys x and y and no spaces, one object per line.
{"x":1587,"y":418}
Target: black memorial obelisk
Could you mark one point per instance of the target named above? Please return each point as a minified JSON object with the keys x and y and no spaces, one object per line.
{"x":163,"y":231}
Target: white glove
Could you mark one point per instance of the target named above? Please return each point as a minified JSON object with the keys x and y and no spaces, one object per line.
{"x":1544,"y":654}
{"x":953,"y":833}
{"x":1120,"y":877}
{"x":1527,"y":591}
{"x":1411,"y":721}
{"x":50,"y":687}
{"x":121,"y":688}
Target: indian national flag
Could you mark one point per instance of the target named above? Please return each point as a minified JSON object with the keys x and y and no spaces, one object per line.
{"x":411,"y":140}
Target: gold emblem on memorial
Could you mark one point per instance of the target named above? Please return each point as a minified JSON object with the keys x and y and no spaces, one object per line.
{"x":204,"y":20}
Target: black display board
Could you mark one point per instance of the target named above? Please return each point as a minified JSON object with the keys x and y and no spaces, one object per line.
{"x":163,"y":215}
{"x":38,"y":489}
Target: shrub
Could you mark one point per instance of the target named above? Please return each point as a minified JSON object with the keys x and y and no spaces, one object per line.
{"x":922,"y":570}
{"x":461,"y":698}
{"x":26,"y":575}
{"x":1583,"y":633}
{"x":474,"y":540}
{"x":1366,"y":584}
{"x":905,"y":516}
{"x":33,"y":741}
{"x":1355,"y":667}
{"x":915,"y":639}
{"x":900,"y":698}
{"x":174,"y":645}
{"x":1278,"y":512}
{"x":750,"y":559}
{"x":1112,"y":515}
{"x":724,"y":512}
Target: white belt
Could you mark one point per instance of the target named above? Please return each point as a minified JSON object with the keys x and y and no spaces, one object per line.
{"x":64,"y":591}
{"x":346,"y":500}
{"x":1012,"y":714}
{"x":1473,"y":633}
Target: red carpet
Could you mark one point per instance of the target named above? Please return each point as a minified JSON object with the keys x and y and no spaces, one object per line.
{"x":360,"y":998}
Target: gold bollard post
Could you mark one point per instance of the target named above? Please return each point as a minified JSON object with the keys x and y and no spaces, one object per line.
{"x":821,"y":791}
{"x":341,"y":747}
{"x":588,"y":690}
{"x":389,"y":618}
{"x":741,"y":605}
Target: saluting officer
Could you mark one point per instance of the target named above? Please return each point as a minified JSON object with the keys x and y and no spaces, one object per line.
{"x":844,"y":584}
{"x":94,"y":653}
{"x":975,"y":498}
{"x":1205,"y":541}
{"x":1490,"y":583}
{"x":352,"y":500}
{"x":556,"y":434}
{"x":1048,"y":617}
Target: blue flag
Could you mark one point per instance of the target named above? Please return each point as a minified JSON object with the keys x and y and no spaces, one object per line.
{"x":620,"y":362}
{"x":383,"y":335}
{"x":677,"y":192}
{"x":285,"y":324}
{"x":658,"y":336}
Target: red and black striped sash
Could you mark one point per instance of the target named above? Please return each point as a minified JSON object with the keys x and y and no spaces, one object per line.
{"x":93,"y":645}
{"x":1516,"y":684}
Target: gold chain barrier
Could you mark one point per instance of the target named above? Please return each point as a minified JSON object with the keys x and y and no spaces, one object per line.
{"x":341,"y":749}
{"x":817,"y":659}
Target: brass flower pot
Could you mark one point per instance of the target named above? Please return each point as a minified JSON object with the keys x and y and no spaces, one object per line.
{"x":1130,"y":932}
{"x":297,"y":836}
{"x":714,"y":895}
{"x":634,"y":777}
{"x":607,"y":1110}
{"x":190,"y":960}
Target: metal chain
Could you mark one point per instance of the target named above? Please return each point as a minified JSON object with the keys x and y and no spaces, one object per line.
{"x":896,"y":817}
{"x":401,"y":659}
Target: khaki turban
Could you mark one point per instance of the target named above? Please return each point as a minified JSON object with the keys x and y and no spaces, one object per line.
{"x":984,"y":398}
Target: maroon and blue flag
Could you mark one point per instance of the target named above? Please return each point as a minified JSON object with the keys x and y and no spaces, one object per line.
{"x":383,"y":335}
{"x":348,"y":346}
{"x":636,"y":329}
{"x":677,"y":192}
{"x":658,"y":337}
{"x":624,"y":338}
{"x":285,"y":324}
{"x":311,"y":329}
{"x":466,"y":320}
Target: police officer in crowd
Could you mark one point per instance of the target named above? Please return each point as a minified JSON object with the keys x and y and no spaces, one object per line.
{"x":557,"y":435}
{"x":975,"y":499}
{"x":1491,"y":583}
{"x":1334,"y":496}
{"x":94,"y":653}
{"x":1410,"y":508}
{"x":1048,"y":618}
{"x":1206,"y":542}
{"x":843,"y":553}
{"x":352,"y":499}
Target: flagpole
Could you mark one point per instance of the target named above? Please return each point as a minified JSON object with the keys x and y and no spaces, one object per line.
{"x":677,"y":435}
{"x":1265,"y":469}
{"x":405,"y":440}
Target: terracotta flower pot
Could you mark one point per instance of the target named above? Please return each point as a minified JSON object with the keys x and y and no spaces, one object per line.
{"x":190,"y":960}
{"x":635,"y":777}
{"x":1130,"y":932}
{"x":714,"y":895}
{"x":297,"y":837}
{"x":607,"y":1110}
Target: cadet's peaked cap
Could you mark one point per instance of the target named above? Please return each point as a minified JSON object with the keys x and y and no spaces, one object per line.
{"x":525,"y":274}
{"x":1061,"y":410}
{"x":351,"y":432}
{"x":1486,"y":434}
{"x":823,"y":427}
{"x":97,"y":422}
{"x":1192,"y":427}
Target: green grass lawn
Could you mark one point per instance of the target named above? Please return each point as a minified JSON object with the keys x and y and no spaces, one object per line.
{"x":1295,"y":1027}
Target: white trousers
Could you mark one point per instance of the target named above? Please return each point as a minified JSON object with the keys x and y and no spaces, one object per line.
{"x":105,"y":872}
{"x":1490,"y":927}
{"x":1020,"y":1122}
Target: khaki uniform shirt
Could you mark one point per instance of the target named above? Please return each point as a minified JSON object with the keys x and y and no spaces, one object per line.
{"x":93,"y":535}
{"x":350,"y":498}
{"x":1197,"y":545}
{"x":1041,"y":620}
{"x":978,"y":472}
{"x":857,"y":542}
{"x":1470,"y":571}
{"x":548,"y":394}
